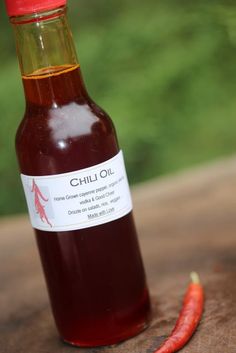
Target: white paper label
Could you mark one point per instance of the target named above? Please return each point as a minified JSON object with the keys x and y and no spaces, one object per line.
{"x":81,"y":199}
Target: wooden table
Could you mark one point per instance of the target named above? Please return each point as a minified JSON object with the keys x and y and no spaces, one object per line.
{"x":185,"y":222}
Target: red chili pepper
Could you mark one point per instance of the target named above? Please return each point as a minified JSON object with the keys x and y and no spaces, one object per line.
{"x":188,"y":320}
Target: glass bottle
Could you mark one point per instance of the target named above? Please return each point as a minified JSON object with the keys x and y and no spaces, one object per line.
{"x":76,"y":188}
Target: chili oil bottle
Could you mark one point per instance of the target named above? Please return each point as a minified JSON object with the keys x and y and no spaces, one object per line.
{"x":76,"y":188}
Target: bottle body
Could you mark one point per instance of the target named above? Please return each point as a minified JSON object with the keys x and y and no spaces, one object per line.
{"x":95,"y":276}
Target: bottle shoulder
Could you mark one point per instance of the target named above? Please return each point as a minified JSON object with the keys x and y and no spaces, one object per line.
{"x":69,"y":137}
{"x":72,"y":120}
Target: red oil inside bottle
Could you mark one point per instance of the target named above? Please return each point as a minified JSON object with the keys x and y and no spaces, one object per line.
{"x":95,"y":276}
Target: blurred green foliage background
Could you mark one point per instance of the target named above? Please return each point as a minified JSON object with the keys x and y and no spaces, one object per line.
{"x":165,"y":70}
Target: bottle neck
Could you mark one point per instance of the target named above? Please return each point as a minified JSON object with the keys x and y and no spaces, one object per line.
{"x":46,"y":56}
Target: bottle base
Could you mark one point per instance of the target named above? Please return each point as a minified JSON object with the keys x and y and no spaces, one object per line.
{"x":109,"y":341}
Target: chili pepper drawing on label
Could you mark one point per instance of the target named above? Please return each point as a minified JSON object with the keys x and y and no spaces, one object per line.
{"x":39,"y":207}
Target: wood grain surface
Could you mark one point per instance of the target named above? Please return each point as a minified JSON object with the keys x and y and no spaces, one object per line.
{"x":186,"y":222}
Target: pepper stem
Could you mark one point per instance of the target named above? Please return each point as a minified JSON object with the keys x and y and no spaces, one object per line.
{"x":194,"y":277}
